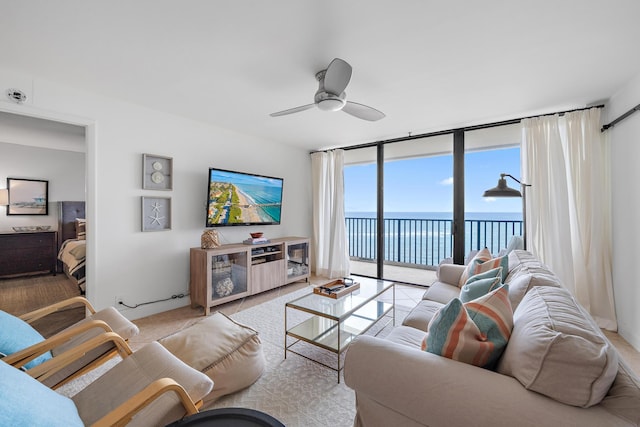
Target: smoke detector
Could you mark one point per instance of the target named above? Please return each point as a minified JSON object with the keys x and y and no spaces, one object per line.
{"x":16,"y":95}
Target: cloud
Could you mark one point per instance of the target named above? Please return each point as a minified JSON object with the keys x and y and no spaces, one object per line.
{"x":489,"y":199}
{"x":447,"y":181}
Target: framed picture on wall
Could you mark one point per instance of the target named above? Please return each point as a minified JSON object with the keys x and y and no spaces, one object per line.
{"x":28,"y":196}
{"x":156,"y":213}
{"x":157,"y":172}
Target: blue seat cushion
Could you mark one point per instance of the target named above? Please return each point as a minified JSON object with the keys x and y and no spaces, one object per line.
{"x":24,"y":401}
{"x":16,"y":335}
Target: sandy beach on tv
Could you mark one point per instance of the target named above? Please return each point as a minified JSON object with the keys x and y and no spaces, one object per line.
{"x":250,"y":213}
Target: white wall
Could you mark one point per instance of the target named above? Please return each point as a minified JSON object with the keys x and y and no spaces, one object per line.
{"x":122,"y":260}
{"x":63,"y":169}
{"x":24,"y":130}
{"x":625,"y":176}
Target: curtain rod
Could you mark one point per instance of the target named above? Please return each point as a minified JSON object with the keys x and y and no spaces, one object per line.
{"x":466,"y":128}
{"x":620,"y":118}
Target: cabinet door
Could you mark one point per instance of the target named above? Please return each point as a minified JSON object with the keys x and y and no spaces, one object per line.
{"x":267,"y":275}
{"x":228,"y":275}
{"x":218,"y":276}
{"x":297,"y":261}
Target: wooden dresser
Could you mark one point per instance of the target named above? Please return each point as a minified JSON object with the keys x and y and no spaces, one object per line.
{"x":27,"y":253}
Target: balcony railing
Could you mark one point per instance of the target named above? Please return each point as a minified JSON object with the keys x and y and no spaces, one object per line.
{"x":423,"y":243}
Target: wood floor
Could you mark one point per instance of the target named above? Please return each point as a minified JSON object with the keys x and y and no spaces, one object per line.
{"x":25,"y":294}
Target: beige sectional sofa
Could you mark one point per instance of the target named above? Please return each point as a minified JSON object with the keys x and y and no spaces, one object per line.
{"x":558,"y":368}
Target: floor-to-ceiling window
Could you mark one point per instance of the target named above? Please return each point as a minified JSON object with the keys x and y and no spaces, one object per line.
{"x":491,"y":221}
{"x":418,"y":207}
{"x":415,"y":181}
{"x":416,"y":190}
{"x":361,"y":195}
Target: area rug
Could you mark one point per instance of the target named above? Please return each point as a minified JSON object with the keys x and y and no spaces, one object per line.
{"x":295,"y":390}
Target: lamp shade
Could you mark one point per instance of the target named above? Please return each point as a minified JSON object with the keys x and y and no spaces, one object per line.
{"x":4,"y":197}
{"x":502,"y":190}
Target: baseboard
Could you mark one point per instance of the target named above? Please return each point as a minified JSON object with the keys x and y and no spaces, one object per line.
{"x":631,"y":336}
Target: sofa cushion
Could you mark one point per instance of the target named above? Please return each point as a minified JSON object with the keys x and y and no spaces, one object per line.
{"x":557,"y":350}
{"x":475,"y":332}
{"x":476,"y":288}
{"x":516,"y":242}
{"x":482,"y":256}
{"x":118,"y":324}
{"x":133,"y":373}
{"x":405,"y":335}
{"x":420,"y":316}
{"x":623,"y":398}
{"x":523,"y":262}
{"x":16,"y":335}
{"x":520,"y":284}
{"x":441,"y":292}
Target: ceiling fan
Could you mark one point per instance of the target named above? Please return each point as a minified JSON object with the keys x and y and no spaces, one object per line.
{"x":332,"y":97}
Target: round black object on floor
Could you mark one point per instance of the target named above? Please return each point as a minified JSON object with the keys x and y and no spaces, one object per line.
{"x":231,"y":417}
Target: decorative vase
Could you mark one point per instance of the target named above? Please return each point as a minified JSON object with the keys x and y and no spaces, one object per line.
{"x":209,"y":239}
{"x":224,"y":287}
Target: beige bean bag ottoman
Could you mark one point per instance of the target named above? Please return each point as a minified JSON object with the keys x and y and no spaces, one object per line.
{"x":226,"y":351}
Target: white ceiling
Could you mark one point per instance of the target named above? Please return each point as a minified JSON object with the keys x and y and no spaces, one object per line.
{"x":429,"y":65}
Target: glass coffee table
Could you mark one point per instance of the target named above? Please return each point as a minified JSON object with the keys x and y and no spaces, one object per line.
{"x":334,"y":323}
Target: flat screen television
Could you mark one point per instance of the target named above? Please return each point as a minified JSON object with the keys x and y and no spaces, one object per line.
{"x":238,"y":198}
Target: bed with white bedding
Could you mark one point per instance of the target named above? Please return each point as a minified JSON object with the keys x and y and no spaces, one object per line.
{"x":71,"y":241}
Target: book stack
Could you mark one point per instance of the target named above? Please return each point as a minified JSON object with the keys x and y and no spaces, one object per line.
{"x":256,"y":241}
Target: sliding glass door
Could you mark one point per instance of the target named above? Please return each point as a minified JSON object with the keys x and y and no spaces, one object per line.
{"x":491,"y":221}
{"x":361,"y":195}
{"x":418,"y":207}
{"x":415,"y":185}
{"x":413,"y":204}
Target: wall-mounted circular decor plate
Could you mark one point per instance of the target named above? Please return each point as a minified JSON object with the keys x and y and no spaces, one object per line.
{"x":157,"y":172}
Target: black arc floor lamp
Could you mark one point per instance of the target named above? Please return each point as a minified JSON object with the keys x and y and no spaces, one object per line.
{"x":502,"y":190}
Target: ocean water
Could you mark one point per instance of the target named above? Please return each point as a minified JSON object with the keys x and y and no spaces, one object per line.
{"x":264,"y":195}
{"x":481,"y":216}
{"x":425,"y":238}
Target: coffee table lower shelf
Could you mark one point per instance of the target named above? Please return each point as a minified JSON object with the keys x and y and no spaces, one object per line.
{"x":334,"y":334}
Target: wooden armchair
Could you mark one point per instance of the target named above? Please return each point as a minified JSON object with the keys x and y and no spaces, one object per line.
{"x":148,"y":387}
{"x":39,"y":350}
{"x":45,"y":311}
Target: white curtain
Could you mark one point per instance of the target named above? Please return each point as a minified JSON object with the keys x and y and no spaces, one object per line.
{"x":329,"y":230}
{"x":565,"y":160}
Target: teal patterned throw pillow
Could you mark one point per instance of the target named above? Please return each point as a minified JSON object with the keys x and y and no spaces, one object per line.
{"x":478,"y":288}
{"x":475,"y":332}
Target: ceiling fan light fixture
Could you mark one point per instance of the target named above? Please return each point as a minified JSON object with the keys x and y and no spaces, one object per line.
{"x":331,"y":104}
{"x":331,"y":96}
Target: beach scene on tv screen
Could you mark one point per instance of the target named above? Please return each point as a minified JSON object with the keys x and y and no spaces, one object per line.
{"x":237,"y":198}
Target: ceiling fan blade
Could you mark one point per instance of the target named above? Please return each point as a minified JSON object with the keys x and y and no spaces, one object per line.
{"x":363,"y":112}
{"x":337,"y":76}
{"x":292,"y":110}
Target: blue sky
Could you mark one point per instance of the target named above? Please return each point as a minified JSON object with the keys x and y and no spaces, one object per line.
{"x":240,"y":178}
{"x":426,"y":184}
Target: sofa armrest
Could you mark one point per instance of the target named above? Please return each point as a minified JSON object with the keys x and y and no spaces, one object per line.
{"x":450,"y":273}
{"x":432,"y":390}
